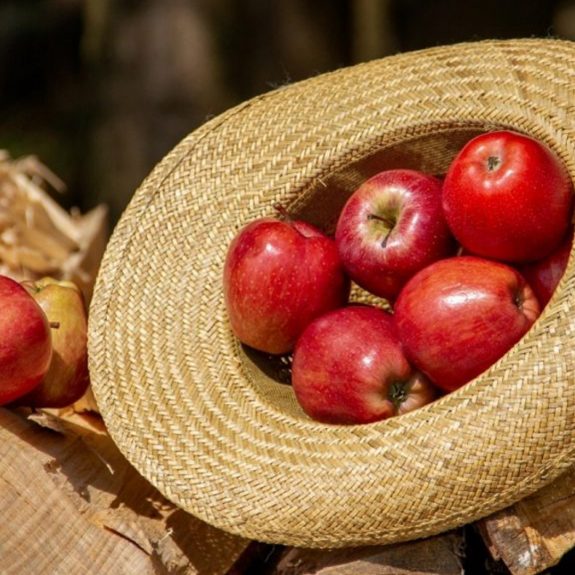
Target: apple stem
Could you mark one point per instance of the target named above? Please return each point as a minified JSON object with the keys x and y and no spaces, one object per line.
{"x":398,"y":393}
{"x":54,"y":324}
{"x":389,"y":222}
{"x":493,"y":163}
{"x":384,"y":240}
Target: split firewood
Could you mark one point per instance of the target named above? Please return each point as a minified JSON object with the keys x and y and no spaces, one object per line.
{"x":71,"y":503}
{"x":527,"y":538}
{"x":535,"y":533}
{"x":440,"y":555}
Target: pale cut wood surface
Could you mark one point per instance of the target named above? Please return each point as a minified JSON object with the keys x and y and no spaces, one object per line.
{"x":71,"y":503}
{"x":440,"y":555}
{"x":535,"y":533}
{"x":529,"y":537}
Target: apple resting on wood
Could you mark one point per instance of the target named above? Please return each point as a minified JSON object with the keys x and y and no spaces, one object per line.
{"x":459,"y":315}
{"x":348,"y":367}
{"x":25,"y":341}
{"x":67,"y":377}
{"x":391,"y":227}
{"x":508,"y":197}
{"x":278,"y":277}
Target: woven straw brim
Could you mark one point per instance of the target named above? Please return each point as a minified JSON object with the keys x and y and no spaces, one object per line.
{"x":214,"y":426}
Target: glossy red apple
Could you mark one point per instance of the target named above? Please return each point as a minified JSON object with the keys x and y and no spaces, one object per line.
{"x":544,"y":275}
{"x":459,"y":315}
{"x":391,"y":227}
{"x":349,"y":367}
{"x":278,"y":277}
{"x":508,"y":197}
{"x":67,"y":377}
{"x":25,"y":341}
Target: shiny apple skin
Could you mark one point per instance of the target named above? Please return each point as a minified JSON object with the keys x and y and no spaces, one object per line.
{"x":458,"y":316}
{"x":508,"y":197}
{"x":391,"y":227}
{"x":25,"y":341}
{"x":67,"y":377}
{"x":544,"y":275}
{"x":278,"y":277}
{"x":349,"y":368}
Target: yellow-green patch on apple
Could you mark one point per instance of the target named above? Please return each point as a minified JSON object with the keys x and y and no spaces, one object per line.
{"x":67,"y":377}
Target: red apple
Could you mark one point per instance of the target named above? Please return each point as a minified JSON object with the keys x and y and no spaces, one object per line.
{"x":25,"y":341}
{"x":67,"y":377}
{"x":544,"y":275}
{"x":459,"y":315}
{"x":349,"y":367}
{"x":391,"y":227}
{"x":508,"y":197}
{"x":278,"y":277}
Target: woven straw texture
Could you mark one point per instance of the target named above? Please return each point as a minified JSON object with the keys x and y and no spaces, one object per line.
{"x":214,"y":426}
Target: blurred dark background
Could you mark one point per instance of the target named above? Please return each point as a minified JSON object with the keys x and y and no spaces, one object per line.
{"x":101,"y":90}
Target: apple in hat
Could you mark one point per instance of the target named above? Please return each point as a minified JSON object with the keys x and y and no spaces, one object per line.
{"x":25,"y":341}
{"x":544,"y":275}
{"x":67,"y":377}
{"x":348,"y":367}
{"x":459,"y":315}
{"x":508,"y":197}
{"x":391,"y":227}
{"x":279,"y":275}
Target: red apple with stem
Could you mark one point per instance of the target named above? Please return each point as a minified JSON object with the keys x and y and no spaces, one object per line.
{"x":458,"y":316}
{"x":279,"y":275}
{"x":348,"y":367}
{"x":544,"y":275}
{"x":507,"y":196}
{"x":25,"y":341}
{"x":391,"y":227}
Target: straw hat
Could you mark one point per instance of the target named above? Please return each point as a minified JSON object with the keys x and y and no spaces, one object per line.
{"x":214,"y":426}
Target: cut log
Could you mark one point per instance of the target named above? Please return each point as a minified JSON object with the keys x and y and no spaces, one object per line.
{"x":439,"y":555}
{"x":71,"y":503}
{"x":535,"y":533}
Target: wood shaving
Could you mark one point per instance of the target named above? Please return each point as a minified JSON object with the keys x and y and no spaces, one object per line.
{"x":38,"y":237}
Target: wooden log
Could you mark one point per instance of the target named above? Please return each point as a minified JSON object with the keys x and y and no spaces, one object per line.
{"x":436,"y":555}
{"x":527,"y":538}
{"x":71,"y":503}
{"x":535,"y":533}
